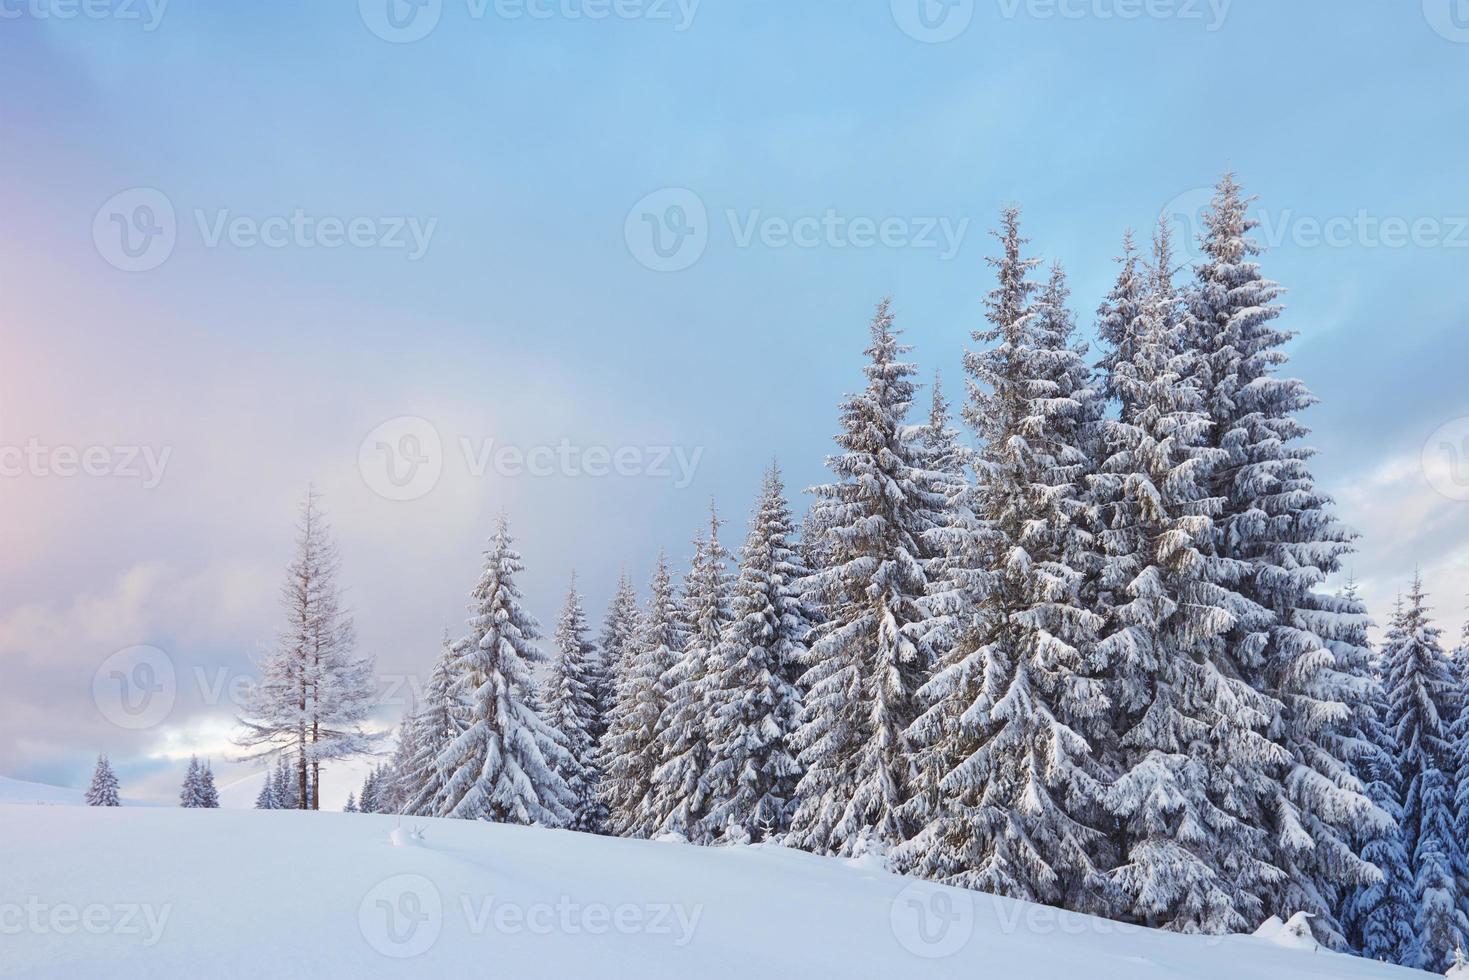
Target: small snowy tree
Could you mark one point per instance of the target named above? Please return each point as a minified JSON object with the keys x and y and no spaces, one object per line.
{"x":619,"y":631}
{"x":571,"y":709}
{"x":868,"y":656}
{"x":315,"y":692}
{"x":1421,"y":693}
{"x":754,"y":703}
{"x":265,"y":799}
{"x":351,"y":806}
{"x":680,"y":794}
{"x":440,"y":719}
{"x":103,"y":790}
{"x":198,"y":792}
{"x":629,"y":748}
{"x":1377,"y":916}
{"x":502,"y":766}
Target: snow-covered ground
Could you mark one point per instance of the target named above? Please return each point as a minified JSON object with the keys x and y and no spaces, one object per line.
{"x":19,"y":791}
{"x":167,"y":892}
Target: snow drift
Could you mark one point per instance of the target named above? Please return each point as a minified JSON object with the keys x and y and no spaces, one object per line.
{"x":164,"y":893}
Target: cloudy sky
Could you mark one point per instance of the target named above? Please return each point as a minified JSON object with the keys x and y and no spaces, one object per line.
{"x":593,"y":265}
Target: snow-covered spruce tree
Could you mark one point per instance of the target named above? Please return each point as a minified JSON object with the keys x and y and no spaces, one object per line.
{"x":680,"y":796}
{"x":629,"y":748}
{"x":753,"y":701}
{"x":265,"y":799}
{"x":315,"y":692}
{"x":198,"y":792}
{"x":192,"y":791}
{"x":1279,"y":542}
{"x":351,"y":806}
{"x":1193,"y":761}
{"x":502,"y":766}
{"x":371,"y":783}
{"x":868,"y":656}
{"x":103,"y":789}
{"x":401,"y":780}
{"x":208,"y":794}
{"x":1117,"y":320}
{"x":1022,"y":792}
{"x":619,"y":630}
{"x":1377,"y":917}
{"x":1421,"y":693}
{"x":571,"y":709}
{"x":283,"y":785}
{"x":439,"y":720}
{"x":1459,"y":736}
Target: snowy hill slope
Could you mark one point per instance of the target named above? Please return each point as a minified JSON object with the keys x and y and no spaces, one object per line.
{"x":20,"y":791}
{"x":165,"y":893}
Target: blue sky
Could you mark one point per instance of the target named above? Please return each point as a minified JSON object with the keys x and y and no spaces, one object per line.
{"x":822,"y":156}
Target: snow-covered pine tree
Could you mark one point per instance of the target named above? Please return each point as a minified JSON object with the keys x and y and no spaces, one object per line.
{"x":571,"y":709}
{"x":1459,"y":736}
{"x":1279,"y":542}
{"x":191,"y":793}
{"x":208,"y":794}
{"x":284,"y":785}
{"x":629,"y":747}
{"x":198,"y":791}
{"x":502,"y":767}
{"x":1377,"y":917}
{"x":1117,"y":320}
{"x":868,"y":656}
{"x":368,"y":801}
{"x":1021,"y":807}
{"x":1193,"y":759}
{"x":619,"y":629}
{"x":439,"y":721}
{"x":103,"y":790}
{"x":680,"y":795}
{"x":753,"y":700}
{"x":315,"y":692}
{"x":401,"y":781}
{"x":351,"y":806}
{"x":1421,"y":693}
{"x":265,"y":799}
